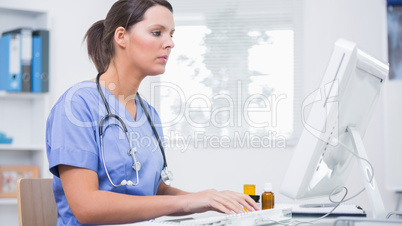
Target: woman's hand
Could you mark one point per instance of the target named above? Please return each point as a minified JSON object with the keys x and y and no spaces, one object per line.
{"x":222,"y":201}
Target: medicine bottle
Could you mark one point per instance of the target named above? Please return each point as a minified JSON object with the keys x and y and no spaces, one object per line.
{"x":268,"y":198}
{"x":249,"y":189}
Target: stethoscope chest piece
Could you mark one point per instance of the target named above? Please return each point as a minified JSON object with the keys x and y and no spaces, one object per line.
{"x":167,"y":176}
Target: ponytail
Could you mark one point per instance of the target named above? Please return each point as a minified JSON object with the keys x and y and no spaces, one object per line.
{"x":97,"y":48}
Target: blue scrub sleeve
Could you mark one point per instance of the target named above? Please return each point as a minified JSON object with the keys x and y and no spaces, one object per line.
{"x":71,"y":136}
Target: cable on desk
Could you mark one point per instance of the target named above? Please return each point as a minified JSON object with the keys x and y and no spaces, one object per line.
{"x":333,"y":209}
{"x":394,"y":213}
{"x":341,"y":187}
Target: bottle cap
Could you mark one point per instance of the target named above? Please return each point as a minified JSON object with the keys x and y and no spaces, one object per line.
{"x":249,"y":189}
{"x":256,"y":198}
{"x":268,"y":187}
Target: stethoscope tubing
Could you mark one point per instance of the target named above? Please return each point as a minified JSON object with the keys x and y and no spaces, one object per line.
{"x":124,"y":127}
{"x":124,"y":182}
{"x":153,"y":129}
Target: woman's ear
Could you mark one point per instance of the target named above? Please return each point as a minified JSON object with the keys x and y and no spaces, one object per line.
{"x":120,"y":36}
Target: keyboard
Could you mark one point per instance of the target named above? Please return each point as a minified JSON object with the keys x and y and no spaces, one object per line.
{"x":262,"y":217}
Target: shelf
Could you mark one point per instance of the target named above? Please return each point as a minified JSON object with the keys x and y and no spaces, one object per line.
{"x":23,"y":114}
{"x":20,"y":95}
{"x":27,"y":147}
{"x":8,"y":201}
{"x":22,"y":12}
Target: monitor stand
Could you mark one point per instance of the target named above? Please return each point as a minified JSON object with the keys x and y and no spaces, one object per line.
{"x":372,"y":190}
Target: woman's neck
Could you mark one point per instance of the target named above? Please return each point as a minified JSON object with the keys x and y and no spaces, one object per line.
{"x":123,"y":84}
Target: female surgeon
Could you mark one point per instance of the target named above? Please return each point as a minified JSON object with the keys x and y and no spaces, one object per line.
{"x":102,"y":173}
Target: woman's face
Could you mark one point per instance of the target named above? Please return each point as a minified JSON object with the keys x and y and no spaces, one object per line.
{"x":150,"y":41}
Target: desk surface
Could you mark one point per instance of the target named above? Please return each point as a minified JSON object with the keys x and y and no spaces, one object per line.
{"x":358,"y":221}
{"x":295,"y":219}
{"x":324,"y":222}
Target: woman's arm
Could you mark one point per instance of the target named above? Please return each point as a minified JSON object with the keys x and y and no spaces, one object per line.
{"x":93,"y":206}
{"x":164,"y":189}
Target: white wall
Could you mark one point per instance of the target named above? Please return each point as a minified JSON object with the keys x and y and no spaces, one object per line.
{"x":325,"y":21}
{"x":393,"y":144}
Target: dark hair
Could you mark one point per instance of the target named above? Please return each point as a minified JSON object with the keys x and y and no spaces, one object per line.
{"x":123,"y":13}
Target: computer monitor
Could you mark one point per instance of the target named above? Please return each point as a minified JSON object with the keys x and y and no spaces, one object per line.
{"x":340,"y":111}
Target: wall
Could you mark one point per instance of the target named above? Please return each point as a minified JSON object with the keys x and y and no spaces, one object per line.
{"x":325,"y":21}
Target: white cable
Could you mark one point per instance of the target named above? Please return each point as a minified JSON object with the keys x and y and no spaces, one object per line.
{"x":346,"y":190}
{"x":357,"y":156}
{"x":331,"y":211}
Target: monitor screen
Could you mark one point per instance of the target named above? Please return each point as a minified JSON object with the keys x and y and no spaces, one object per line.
{"x":346,"y":98}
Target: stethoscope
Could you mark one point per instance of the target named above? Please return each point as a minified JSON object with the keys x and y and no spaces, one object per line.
{"x":166,"y":175}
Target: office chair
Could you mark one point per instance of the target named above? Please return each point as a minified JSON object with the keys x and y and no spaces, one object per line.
{"x":36,"y":203}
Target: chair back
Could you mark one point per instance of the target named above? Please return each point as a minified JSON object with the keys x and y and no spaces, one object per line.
{"x":36,"y":203}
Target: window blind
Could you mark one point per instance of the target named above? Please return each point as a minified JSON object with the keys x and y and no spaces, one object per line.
{"x":233,"y":78}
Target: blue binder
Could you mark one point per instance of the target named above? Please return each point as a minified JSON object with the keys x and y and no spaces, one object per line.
{"x":40,"y":61}
{"x":4,"y":61}
{"x":36,"y":64}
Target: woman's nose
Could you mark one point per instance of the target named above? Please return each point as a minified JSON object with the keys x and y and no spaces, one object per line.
{"x":168,"y":43}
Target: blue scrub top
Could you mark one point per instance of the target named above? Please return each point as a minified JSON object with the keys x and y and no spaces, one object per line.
{"x":72,"y":138}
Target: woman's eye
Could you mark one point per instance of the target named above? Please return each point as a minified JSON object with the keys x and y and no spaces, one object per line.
{"x":156,"y":33}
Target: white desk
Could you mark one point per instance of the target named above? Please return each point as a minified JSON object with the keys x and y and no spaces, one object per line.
{"x":324,"y":222}
{"x":357,"y":221}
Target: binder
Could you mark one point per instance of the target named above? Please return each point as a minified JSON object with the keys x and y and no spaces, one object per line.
{"x":40,"y":61}
{"x":13,"y":73}
{"x":4,"y":62}
{"x":20,"y":60}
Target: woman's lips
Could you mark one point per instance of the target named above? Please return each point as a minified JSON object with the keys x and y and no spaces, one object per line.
{"x":163,"y":58}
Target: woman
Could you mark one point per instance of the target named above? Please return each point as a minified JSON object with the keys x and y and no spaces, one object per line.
{"x":103,"y":175}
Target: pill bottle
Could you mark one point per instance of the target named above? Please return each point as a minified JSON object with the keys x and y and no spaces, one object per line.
{"x":268,"y":198}
{"x":249,"y":189}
